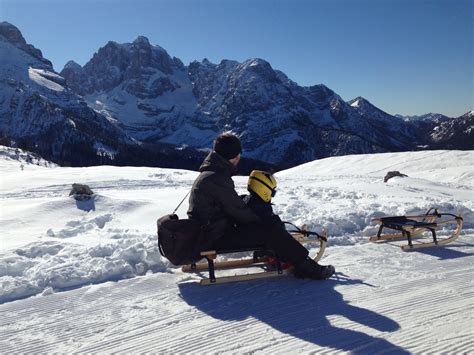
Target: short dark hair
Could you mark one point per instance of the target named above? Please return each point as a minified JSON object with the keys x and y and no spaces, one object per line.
{"x":227,"y":145}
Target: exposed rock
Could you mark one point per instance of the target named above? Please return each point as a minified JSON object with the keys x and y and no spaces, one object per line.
{"x":81,"y":192}
{"x":392,"y":174}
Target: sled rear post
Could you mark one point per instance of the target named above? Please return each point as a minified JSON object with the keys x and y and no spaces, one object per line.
{"x":212,"y":275}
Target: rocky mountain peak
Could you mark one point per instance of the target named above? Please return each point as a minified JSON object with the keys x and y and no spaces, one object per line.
{"x":11,"y":33}
{"x":141,"y":40}
{"x":365,"y":107}
{"x":360,"y":102}
{"x":258,"y":65}
{"x":75,"y":76}
{"x":130,"y":64}
{"x":253,"y":62}
{"x":72,"y":65}
{"x":254,"y":68}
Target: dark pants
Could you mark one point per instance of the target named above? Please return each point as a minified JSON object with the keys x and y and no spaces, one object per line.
{"x":271,"y":236}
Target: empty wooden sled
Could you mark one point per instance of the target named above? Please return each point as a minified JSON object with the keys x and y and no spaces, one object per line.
{"x":262,"y":258}
{"x":412,"y":227}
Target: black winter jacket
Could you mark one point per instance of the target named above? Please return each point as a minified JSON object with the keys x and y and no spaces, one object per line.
{"x":213,"y":200}
{"x":261,"y":208}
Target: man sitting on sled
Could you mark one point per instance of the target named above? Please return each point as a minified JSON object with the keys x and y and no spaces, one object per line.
{"x":231,"y":224}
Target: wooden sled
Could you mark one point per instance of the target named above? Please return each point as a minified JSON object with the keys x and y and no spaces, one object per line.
{"x":415,"y":226}
{"x":261,"y":258}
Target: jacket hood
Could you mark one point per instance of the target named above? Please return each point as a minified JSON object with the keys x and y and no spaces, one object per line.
{"x":215,"y":162}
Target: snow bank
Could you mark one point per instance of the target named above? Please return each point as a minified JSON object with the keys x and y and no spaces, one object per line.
{"x":42,"y":265}
{"x":343,"y":194}
{"x":19,"y":157}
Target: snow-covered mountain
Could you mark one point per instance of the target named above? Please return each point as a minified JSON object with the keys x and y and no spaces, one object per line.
{"x":437,"y":131}
{"x":155,"y":98}
{"x":391,"y":126}
{"x":39,"y":112}
{"x":278,"y":119}
{"x":426,"y":117}
{"x":136,"y":104}
{"x":139,"y":86}
{"x":431,"y":130}
{"x":457,"y":133}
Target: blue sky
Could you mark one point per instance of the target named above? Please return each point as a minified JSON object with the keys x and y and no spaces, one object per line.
{"x":405,"y":56}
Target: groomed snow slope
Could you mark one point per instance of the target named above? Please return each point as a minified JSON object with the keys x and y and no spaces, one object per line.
{"x":60,"y":260}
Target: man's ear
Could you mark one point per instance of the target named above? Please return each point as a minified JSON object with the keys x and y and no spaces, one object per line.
{"x":235,"y":161}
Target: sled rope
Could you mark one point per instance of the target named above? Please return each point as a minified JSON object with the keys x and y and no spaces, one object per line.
{"x":181,"y":202}
{"x":305,"y":232}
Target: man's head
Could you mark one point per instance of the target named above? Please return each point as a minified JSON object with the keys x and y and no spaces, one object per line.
{"x":228,"y":146}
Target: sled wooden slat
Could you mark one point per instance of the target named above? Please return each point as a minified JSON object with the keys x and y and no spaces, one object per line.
{"x":223,"y":264}
{"x":445,"y":241}
{"x":208,"y":253}
{"x":386,"y":237}
{"x":246,"y":277}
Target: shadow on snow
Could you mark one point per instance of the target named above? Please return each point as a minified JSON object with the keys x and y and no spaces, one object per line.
{"x":86,"y":205}
{"x":297,"y":308}
{"x":445,"y":252}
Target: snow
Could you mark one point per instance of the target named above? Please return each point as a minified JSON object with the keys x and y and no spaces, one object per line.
{"x":43,"y":78}
{"x":14,"y":63}
{"x":86,"y":276}
{"x":104,"y":150}
{"x":355,"y":104}
{"x":193,"y":136}
{"x":171,"y":109}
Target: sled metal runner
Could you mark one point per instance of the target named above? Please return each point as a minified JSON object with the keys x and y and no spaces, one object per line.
{"x":271,"y":264}
{"x":415,"y":226}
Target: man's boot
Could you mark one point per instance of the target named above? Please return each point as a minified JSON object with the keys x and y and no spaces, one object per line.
{"x":310,"y":269}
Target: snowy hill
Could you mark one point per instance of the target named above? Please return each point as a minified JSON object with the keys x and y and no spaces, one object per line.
{"x":382,"y":299}
{"x":18,"y":156}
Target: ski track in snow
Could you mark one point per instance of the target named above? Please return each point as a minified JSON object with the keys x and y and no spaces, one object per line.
{"x":353,"y":312}
{"x":87,"y":276}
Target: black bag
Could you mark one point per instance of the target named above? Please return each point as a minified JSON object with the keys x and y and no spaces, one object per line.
{"x":180,"y":240}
